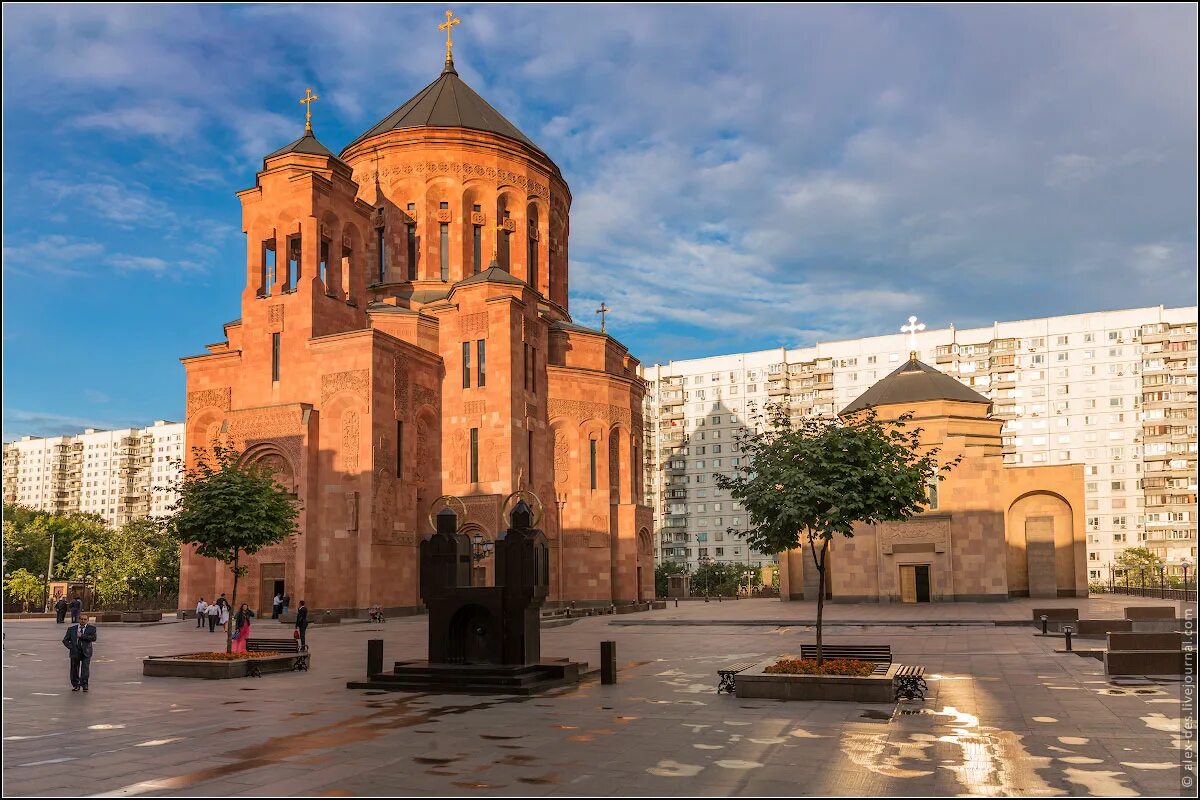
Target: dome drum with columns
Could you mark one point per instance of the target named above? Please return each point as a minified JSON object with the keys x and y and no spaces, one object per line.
{"x":405,"y":335}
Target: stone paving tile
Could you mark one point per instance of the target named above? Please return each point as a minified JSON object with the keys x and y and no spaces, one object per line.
{"x":1005,"y":715}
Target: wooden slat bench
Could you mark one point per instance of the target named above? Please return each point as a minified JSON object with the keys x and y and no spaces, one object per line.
{"x":910,"y":682}
{"x":880,"y":654}
{"x":278,"y":646}
{"x":727,"y":673}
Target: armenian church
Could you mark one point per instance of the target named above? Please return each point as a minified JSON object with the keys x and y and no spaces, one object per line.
{"x":406,"y":336}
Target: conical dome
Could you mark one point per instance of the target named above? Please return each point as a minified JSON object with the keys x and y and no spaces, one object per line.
{"x":915,"y":382}
{"x":448,"y":103}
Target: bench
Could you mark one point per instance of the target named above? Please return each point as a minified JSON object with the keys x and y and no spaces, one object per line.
{"x":727,"y":673}
{"x":278,"y":646}
{"x":879,"y":654}
{"x":910,"y":682}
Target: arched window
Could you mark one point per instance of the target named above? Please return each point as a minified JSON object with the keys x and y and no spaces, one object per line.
{"x":502,"y":248}
{"x":532,"y":244}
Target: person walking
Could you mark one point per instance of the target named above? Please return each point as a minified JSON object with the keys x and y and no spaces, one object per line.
{"x":201,"y":612}
{"x":213,"y":613}
{"x":241,"y":628}
{"x":276,"y":606}
{"x":223,"y":620}
{"x":78,"y":640}
{"x":287,"y":601}
{"x":60,"y":609}
{"x":76,"y":609}
{"x":302,"y":624}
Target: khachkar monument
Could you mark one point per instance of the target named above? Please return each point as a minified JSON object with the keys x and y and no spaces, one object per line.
{"x":482,"y":639}
{"x":405,"y":334}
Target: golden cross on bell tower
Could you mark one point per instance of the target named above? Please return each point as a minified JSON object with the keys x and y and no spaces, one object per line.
{"x":307,"y":101}
{"x":500,"y":231}
{"x":602,"y":310}
{"x":447,"y":26}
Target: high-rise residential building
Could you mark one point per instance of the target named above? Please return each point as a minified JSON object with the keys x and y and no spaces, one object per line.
{"x":1112,"y":390}
{"x":119,"y":475}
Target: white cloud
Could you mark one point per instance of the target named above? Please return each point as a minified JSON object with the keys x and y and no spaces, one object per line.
{"x":54,"y":254}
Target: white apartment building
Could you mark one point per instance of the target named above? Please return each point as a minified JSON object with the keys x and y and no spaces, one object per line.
{"x":119,"y":475}
{"x":1112,"y":390}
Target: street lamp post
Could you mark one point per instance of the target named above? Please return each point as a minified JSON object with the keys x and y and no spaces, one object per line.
{"x":480,"y":550}
{"x":1112,"y":589}
{"x":49,"y":570}
{"x":1185,"y":564}
{"x":1162,"y":582}
{"x":704,"y":561}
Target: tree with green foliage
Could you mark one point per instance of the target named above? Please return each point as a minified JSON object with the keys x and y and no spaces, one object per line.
{"x":805,"y":481}
{"x":23,"y":586}
{"x":228,"y":508}
{"x":136,"y":563}
{"x":664,"y":571}
{"x":1137,"y":562}
{"x":29,"y":535}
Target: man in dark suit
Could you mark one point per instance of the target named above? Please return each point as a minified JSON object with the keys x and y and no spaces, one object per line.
{"x":60,"y":610}
{"x":78,"y":641}
{"x":76,"y":609}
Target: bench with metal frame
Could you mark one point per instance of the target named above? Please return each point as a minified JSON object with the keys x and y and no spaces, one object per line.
{"x":279,"y":646}
{"x":726,"y":674}
{"x":908,"y":681}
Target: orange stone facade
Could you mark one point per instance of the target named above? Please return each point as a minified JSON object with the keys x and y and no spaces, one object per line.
{"x":371,"y":414}
{"x":996,"y":531}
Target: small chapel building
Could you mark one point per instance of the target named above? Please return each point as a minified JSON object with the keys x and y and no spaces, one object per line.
{"x":405,"y":334}
{"x":990,"y":532}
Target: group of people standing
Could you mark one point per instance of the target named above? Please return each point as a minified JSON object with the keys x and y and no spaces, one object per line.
{"x":217,"y":613}
{"x":75,"y":606}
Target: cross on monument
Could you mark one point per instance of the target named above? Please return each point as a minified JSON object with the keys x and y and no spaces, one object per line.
{"x":911,"y":329}
{"x":602,"y":310}
{"x":307,"y":101}
{"x":447,"y":26}
{"x":500,"y":231}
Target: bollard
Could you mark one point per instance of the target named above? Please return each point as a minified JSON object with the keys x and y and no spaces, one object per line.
{"x":608,"y":663}
{"x":677,"y":602}
{"x":1068,"y":631}
{"x":719,"y":598}
{"x":374,"y":657}
{"x":1043,"y":624}
{"x":706,"y":598}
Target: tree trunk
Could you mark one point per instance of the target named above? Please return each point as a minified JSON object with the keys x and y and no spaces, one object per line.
{"x":821,"y":599}
{"x":232,"y":605}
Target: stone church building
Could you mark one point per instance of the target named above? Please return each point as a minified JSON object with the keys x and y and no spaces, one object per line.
{"x":405,"y":334}
{"x":991,"y":531}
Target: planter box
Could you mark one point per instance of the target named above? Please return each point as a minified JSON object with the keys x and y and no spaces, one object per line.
{"x":176,"y":667}
{"x":1150,"y":612}
{"x":106,"y":616}
{"x":141,"y":616}
{"x":1148,"y":662}
{"x":1145,"y":641}
{"x":756,"y":682}
{"x":1099,"y":628}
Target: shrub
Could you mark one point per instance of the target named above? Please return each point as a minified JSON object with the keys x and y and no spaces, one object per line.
{"x":832,"y":666}
{"x":227,"y":656}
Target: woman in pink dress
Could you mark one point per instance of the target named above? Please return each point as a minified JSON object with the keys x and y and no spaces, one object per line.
{"x":241,"y":628}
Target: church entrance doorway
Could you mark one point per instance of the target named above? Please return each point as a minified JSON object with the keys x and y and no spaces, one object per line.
{"x":270,"y":584}
{"x":914,"y":583}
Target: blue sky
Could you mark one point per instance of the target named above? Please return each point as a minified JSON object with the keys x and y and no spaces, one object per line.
{"x":743,"y":176}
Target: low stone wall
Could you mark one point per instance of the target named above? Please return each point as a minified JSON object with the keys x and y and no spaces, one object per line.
{"x":141,"y":616}
{"x":756,"y":682}
{"x":1099,"y":628}
{"x":1157,"y":625}
{"x":1055,"y":614}
{"x":1146,"y":662}
{"x":1150,"y":612}
{"x":1145,"y":641}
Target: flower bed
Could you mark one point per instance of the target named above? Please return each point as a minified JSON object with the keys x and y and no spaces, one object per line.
{"x":228,"y":656}
{"x":831,"y":666}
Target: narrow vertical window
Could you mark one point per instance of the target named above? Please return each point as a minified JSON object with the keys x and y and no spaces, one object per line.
{"x":533,"y":263}
{"x":635,"y":471}
{"x":466,"y":365}
{"x":268,"y":269}
{"x":324,"y":265}
{"x":382,"y":255}
{"x":444,"y":231}
{"x":294,"y":262}
{"x":476,"y":248}
{"x":502,"y":247}
{"x":474,"y":455}
{"x":399,"y":449}
{"x":526,"y":366}
{"x":411,"y":231}
{"x":592,"y":460}
{"x":481,"y":377}
{"x":532,"y":369}
{"x":274,"y":356}
{"x":529,"y":449}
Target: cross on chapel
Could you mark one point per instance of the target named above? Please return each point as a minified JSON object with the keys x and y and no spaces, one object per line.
{"x":602,"y":310}
{"x":911,"y":329}
{"x":307,"y":101}
{"x":447,"y":26}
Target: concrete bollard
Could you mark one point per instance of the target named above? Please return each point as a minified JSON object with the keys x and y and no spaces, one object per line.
{"x":719,"y":598}
{"x":1044,"y":619}
{"x":374,"y":657}
{"x":1067,"y":631}
{"x":608,"y":663}
{"x":677,"y":602}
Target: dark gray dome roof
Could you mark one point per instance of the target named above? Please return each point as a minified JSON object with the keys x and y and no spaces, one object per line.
{"x":915,"y":382}
{"x":448,"y":103}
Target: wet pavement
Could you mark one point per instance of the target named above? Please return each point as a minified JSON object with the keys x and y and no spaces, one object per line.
{"x":1005,"y":715}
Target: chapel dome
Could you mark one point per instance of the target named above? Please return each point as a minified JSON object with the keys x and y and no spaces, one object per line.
{"x":448,"y":102}
{"x":915,"y":382}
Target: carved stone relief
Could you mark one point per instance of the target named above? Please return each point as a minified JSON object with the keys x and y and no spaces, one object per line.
{"x":355,"y":381}
{"x":208,"y":398}
{"x":350,"y":441}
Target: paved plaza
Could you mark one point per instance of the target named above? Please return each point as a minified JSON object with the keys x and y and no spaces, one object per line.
{"x":1006,"y":715}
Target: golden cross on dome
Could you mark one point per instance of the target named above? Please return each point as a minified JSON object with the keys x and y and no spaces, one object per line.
{"x":447,"y":26}
{"x":500,"y":231}
{"x":307,"y":101}
{"x":911,"y":329}
{"x":602,"y":310}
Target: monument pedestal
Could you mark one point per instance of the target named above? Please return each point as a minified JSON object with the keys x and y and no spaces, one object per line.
{"x":520,"y":679}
